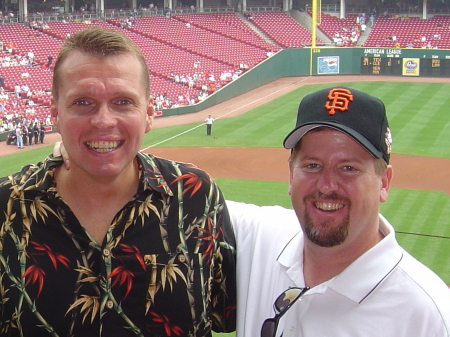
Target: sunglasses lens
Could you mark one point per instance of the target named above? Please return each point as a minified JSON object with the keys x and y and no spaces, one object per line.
{"x":269,"y":328}
{"x":286,"y":298}
{"x":281,"y":305}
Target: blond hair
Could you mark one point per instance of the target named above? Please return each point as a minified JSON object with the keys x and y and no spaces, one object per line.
{"x":99,"y":42}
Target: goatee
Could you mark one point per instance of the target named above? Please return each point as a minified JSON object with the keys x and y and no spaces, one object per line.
{"x":328,"y":234}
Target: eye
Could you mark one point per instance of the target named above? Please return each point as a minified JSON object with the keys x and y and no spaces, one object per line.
{"x":81,"y":102}
{"x":348,"y":168}
{"x":123,"y":101}
{"x":311,"y":167}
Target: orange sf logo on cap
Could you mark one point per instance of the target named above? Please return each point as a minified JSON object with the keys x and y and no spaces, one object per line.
{"x":338,"y":100}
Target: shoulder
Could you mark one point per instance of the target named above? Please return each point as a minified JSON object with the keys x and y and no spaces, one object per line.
{"x":172,"y":170}
{"x":417,"y":286}
{"x":420,"y":295}
{"x":11,"y":184}
{"x":31,"y":177}
{"x":426,"y":282}
{"x":262,"y":223}
{"x":254,"y":214}
{"x":176,"y":176}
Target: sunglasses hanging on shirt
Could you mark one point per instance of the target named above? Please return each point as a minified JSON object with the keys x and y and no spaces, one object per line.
{"x":281,"y":306}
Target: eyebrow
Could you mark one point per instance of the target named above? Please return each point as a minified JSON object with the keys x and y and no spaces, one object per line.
{"x":340,"y":161}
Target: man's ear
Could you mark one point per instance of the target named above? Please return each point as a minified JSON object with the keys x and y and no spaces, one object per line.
{"x":385,"y":183}
{"x":150,"y":116}
{"x":54,"y":113}
{"x":290,"y":174}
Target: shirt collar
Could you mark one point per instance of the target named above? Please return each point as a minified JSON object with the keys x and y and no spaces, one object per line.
{"x":359,"y":279}
{"x":152,"y":177}
{"x":291,"y":257}
{"x":40,"y":176}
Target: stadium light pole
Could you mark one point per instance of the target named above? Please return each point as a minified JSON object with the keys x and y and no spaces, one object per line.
{"x":314,"y":23}
{"x":313,"y":33}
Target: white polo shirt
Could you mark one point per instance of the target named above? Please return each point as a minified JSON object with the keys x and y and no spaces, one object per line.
{"x":384,"y":293}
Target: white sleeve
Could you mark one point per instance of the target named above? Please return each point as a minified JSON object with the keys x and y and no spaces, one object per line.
{"x":249,"y":218}
{"x":261,"y":234}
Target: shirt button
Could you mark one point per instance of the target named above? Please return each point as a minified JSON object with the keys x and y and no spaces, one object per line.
{"x":291,"y":328}
{"x":106,"y":252}
{"x":109,"y":304}
{"x":181,"y":258}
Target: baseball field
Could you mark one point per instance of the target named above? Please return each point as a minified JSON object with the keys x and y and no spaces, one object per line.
{"x":245,"y":157}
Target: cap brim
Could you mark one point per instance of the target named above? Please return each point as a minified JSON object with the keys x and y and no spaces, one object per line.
{"x":293,"y":138}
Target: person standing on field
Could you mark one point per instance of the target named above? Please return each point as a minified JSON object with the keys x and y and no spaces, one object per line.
{"x":209,"y":121}
{"x":19,"y":137}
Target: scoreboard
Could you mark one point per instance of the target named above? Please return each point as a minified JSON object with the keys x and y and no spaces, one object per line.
{"x":435,"y":67}
{"x":394,"y":66}
{"x":381,"y":66}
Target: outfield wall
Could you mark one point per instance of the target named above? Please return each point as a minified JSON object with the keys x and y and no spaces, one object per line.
{"x":288,"y":62}
{"x":331,"y":62}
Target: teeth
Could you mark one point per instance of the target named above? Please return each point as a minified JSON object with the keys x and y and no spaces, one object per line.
{"x":328,"y":206}
{"x":103,"y":146}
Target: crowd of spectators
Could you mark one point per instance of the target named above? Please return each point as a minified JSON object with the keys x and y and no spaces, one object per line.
{"x":424,"y":43}
{"x":15,"y":110}
{"x":38,"y":25}
{"x":32,"y":132}
{"x":347,"y":36}
{"x":197,"y":79}
{"x":205,"y":81}
{"x":11,"y":60}
{"x":18,"y":106}
{"x":21,"y":101}
{"x":127,"y":22}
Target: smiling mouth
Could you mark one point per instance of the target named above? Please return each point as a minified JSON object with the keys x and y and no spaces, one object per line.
{"x":104,"y":146}
{"x":328,"y":206}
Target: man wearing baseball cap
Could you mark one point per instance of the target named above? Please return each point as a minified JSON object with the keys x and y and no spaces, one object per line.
{"x":336,"y":262}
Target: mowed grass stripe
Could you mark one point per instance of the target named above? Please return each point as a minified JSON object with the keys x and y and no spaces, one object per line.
{"x":418,"y":211}
{"x":428,"y":125}
{"x":264,"y":124}
{"x":397,"y":207}
{"x":418,"y":124}
{"x":432,"y":252}
{"x":421,"y":219}
{"x":255,"y":191}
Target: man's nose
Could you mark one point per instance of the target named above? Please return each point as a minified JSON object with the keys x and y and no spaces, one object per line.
{"x":104,"y":117}
{"x":328,"y":181}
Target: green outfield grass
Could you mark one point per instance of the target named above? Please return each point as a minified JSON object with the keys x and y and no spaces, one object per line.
{"x":420,"y":122}
{"x":418,"y":113}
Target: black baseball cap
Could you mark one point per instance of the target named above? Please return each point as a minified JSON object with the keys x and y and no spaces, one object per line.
{"x":361,"y":116}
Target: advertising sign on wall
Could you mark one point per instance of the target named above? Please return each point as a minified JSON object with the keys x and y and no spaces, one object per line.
{"x":327,"y":65}
{"x":411,"y":67}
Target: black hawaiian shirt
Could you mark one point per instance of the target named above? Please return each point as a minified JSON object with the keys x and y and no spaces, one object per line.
{"x":166,"y":266}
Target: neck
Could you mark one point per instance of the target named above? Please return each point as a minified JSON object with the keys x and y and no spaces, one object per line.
{"x":94,"y":190}
{"x":321,"y":264}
